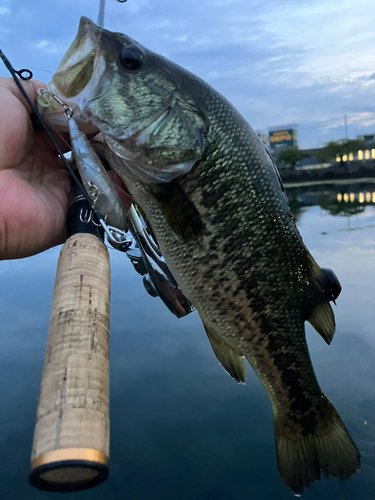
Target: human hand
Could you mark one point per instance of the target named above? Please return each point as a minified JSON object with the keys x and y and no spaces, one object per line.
{"x":34,"y":184}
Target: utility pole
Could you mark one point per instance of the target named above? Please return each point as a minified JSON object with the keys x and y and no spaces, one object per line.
{"x":346,"y":127}
{"x":101,"y":13}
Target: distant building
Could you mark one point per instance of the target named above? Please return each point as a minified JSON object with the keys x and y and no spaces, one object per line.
{"x":368,"y":139}
{"x":282,"y":138}
{"x":263,"y":137}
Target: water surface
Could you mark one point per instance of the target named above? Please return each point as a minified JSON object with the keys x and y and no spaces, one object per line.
{"x":180,"y":427}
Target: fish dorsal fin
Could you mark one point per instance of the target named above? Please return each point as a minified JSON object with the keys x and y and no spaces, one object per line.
{"x":178,"y":210}
{"x":321,"y":316}
{"x":232,"y":362}
{"x":323,"y":320}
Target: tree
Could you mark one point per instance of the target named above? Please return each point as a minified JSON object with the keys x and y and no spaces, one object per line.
{"x":290,"y":156}
{"x":338,"y":148}
{"x":351,"y":146}
{"x":328,"y":152}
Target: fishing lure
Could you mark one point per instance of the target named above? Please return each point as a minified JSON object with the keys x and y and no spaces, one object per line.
{"x":96,"y":180}
{"x":146,"y":256}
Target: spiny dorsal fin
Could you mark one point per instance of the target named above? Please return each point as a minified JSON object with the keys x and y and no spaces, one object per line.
{"x":323,"y":320}
{"x":232,"y":362}
{"x":178,"y":210}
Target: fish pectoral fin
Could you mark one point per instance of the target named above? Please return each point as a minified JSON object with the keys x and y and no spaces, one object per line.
{"x":178,"y":210}
{"x":321,"y":316}
{"x":323,"y":320}
{"x":98,"y":146}
{"x":232,"y":362}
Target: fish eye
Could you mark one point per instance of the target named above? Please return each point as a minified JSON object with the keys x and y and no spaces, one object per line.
{"x":131,"y":57}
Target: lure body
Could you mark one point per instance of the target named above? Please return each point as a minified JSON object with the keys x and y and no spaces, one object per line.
{"x":96,"y":180}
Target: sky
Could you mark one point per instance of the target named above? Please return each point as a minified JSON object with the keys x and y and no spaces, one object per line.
{"x":280,"y":62}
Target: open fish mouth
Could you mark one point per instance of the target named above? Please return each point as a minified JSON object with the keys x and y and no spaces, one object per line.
{"x":79,"y":73}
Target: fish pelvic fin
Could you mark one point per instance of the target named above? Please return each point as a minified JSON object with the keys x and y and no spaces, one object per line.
{"x":232,"y":362}
{"x":323,"y":320}
{"x":302,"y":456}
{"x":179,"y":211}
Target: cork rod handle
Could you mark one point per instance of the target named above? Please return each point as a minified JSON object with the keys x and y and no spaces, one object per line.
{"x":71,"y":440}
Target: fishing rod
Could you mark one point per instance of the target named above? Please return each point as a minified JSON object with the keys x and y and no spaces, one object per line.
{"x":71,"y":439}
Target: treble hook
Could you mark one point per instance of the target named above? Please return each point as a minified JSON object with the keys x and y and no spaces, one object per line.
{"x":67,"y":109}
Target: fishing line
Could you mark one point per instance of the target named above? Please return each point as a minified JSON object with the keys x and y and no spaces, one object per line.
{"x":111,"y":19}
{"x":38,"y":69}
{"x":26,"y":74}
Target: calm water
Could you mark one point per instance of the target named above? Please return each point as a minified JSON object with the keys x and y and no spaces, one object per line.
{"x":180,"y":427}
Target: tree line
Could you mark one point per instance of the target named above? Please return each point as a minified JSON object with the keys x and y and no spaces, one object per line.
{"x":291,"y":156}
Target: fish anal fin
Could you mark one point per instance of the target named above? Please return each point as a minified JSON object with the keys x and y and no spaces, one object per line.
{"x":302,"y":456}
{"x":178,"y":210}
{"x":323,"y":320}
{"x":232,"y":362}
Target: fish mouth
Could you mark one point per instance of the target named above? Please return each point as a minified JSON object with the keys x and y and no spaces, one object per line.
{"x":78,"y":75}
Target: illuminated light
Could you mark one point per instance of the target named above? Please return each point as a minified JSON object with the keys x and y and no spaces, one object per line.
{"x":339,"y":197}
{"x":360,"y":155}
{"x":346,"y":197}
{"x":352,"y":197}
{"x":345,"y":158}
{"x":338,"y":158}
{"x":373,"y":197}
{"x":368,"y":197}
{"x":367,"y":154}
{"x":373,"y":153}
{"x":361,"y":198}
{"x":351,"y":157}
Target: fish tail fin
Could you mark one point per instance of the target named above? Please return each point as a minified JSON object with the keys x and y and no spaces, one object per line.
{"x":302,"y":456}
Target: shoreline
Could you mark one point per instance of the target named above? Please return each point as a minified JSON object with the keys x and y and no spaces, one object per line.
{"x":336,"y":182}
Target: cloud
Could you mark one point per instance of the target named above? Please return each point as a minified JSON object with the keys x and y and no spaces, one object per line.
{"x":277,"y":62}
{"x":335,"y":40}
{"x":42,"y":44}
{"x":4,"y":10}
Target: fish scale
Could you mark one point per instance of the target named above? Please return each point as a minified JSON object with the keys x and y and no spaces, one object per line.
{"x":214,"y":200}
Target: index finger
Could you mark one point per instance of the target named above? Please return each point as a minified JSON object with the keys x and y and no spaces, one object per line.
{"x":30,"y":86}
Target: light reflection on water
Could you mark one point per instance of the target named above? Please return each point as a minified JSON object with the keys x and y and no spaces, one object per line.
{"x":180,"y":427}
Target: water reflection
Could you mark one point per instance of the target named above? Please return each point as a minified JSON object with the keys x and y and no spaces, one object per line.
{"x":348,"y":199}
{"x":180,"y":427}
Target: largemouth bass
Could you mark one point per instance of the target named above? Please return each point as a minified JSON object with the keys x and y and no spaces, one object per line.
{"x":216,"y":205}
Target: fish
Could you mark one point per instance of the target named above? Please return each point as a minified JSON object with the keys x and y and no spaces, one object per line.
{"x":211,"y":194}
